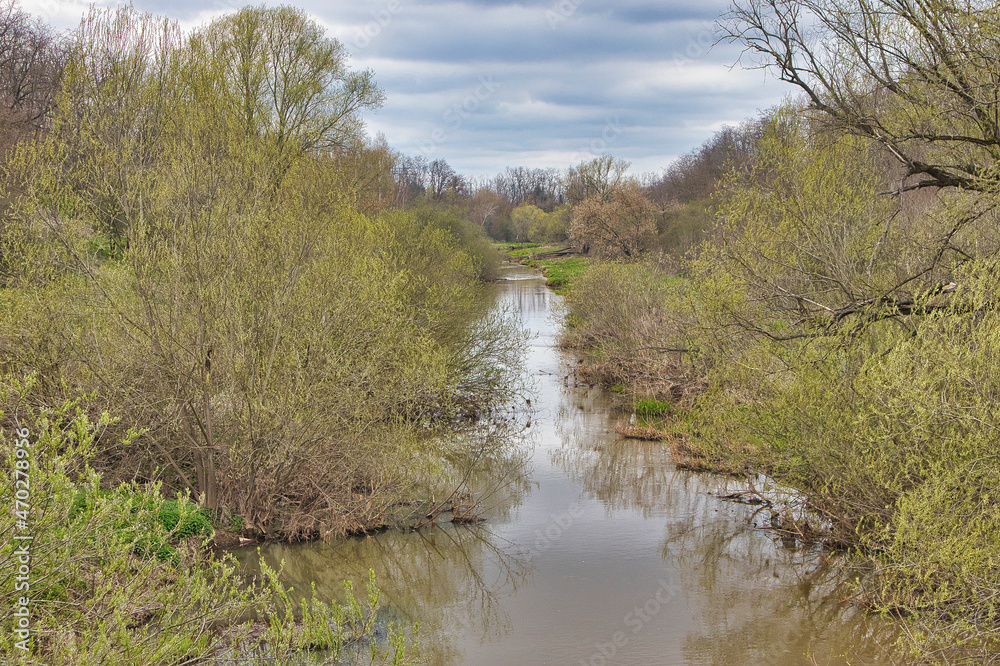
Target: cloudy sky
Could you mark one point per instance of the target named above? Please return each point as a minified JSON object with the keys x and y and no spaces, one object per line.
{"x":487,"y":84}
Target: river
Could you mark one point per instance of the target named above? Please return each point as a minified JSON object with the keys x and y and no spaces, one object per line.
{"x":604,"y":554}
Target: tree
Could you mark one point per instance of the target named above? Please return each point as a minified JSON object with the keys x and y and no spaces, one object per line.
{"x":269,"y":73}
{"x":803,"y":237}
{"x":697,"y":174}
{"x":410,"y":175}
{"x":367,"y":175}
{"x":919,"y":81}
{"x":683,"y":192}
{"x":552,"y":227}
{"x":286,"y":83}
{"x":281,"y":349}
{"x":599,"y":177}
{"x":539,"y":187}
{"x":524,"y":219}
{"x":486,"y":205}
{"x":618,"y":223}
{"x":31,"y":63}
{"x":443,"y":179}
{"x":119,"y":95}
{"x":919,"y":78}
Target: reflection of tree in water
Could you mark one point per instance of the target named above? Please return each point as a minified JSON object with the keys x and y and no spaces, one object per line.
{"x":625,"y":474}
{"x":447,"y":576}
{"x":762,"y":603}
{"x":485,"y":468}
{"x":756,"y":601}
{"x":622,"y":474}
{"x":435,"y":576}
{"x":532,"y":302}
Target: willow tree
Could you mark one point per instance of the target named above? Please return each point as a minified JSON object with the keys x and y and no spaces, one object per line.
{"x":280,"y":348}
{"x":890,"y":427}
{"x":286,"y":83}
{"x":618,"y":223}
{"x":918,"y":80}
{"x":803,"y":233}
{"x":853,"y":364}
{"x":271,"y":74}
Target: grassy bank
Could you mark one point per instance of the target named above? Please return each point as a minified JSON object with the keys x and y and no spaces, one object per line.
{"x":124,"y":576}
{"x":888,"y":438}
{"x":560,"y":272}
{"x":520,"y":251}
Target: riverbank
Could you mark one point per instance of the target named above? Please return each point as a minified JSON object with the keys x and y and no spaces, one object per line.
{"x":560,"y":265}
{"x":127,"y":576}
{"x":859,"y":436}
{"x":595,"y":536}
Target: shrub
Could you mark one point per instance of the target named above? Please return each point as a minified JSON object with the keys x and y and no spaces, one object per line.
{"x":107,"y":586}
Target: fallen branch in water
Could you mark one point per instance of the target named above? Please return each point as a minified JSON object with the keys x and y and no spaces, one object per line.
{"x":745,"y":497}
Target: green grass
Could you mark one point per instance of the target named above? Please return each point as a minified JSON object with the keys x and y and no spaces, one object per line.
{"x":561,"y":273}
{"x":517,"y":249}
{"x":179,"y":521}
{"x":525,"y":252}
{"x":652,"y":408}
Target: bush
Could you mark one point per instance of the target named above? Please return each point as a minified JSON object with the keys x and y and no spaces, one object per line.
{"x":630,"y":320}
{"x":284,"y":353}
{"x":107,"y":586}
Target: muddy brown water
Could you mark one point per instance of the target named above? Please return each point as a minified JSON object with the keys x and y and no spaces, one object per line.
{"x":603,"y":554}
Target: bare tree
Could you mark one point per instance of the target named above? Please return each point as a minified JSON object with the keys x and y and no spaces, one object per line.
{"x":410,"y":174}
{"x":599,"y":177}
{"x":621,"y":225}
{"x":31,"y":65}
{"x":920,"y":78}
{"x":697,"y":174}
{"x":443,"y":179}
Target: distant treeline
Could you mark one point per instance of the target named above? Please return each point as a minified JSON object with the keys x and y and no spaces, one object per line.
{"x":524,"y":204}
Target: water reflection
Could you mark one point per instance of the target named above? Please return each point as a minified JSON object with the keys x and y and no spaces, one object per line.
{"x":598,"y":551}
{"x":763,"y":603}
{"x":754,"y":600}
{"x":486,"y":469}
{"x":437,"y":577}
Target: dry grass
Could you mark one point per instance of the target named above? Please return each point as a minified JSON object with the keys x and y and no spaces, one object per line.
{"x":697,"y":460}
{"x":647,"y":433}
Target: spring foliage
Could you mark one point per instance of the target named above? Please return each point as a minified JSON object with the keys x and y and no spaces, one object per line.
{"x":189,"y":246}
{"x":825,"y":336}
{"x":121,"y":576}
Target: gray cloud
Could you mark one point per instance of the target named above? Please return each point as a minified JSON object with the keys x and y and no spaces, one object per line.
{"x":488,"y":84}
